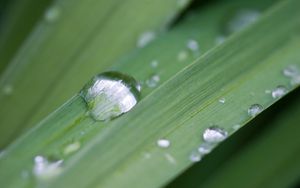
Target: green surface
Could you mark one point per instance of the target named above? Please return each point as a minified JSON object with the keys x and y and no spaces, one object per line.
{"x":180,"y":109}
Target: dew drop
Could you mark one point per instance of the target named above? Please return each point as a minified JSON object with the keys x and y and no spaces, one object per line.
{"x":291,"y":71}
{"x":214,"y":134}
{"x":145,"y":39}
{"x":242,"y":19}
{"x":255,"y":109}
{"x":195,"y":156}
{"x":279,"y":91}
{"x":163,"y":143}
{"x":154,"y":63}
{"x":52,"y":14}
{"x":182,"y":55}
{"x":205,"y":148}
{"x":222,"y":100}
{"x":45,"y":169}
{"x":71,"y":148}
{"x":110,"y":94}
{"x":193,"y":45}
{"x":153,"y":81}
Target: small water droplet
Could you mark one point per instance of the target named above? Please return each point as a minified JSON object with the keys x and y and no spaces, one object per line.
{"x":205,"y":148}
{"x":45,"y":169}
{"x":220,"y":39}
{"x":193,"y":45}
{"x":145,"y":39}
{"x":236,"y":127}
{"x":295,"y":81}
{"x":52,"y":14}
{"x":153,"y":81}
{"x":163,"y":143}
{"x":291,"y":71}
{"x":255,"y":109}
{"x":222,"y":100}
{"x":242,"y":19}
{"x":182,"y":55}
{"x":7,"y":90}
{"x":154,"y":63}
{"x":71,"y":148}
{"x":110,"y":94}
{"x":279,"y":91}
{"x":195,"y":156}
{"x":170,"y":158}
{"x":214,"y":134}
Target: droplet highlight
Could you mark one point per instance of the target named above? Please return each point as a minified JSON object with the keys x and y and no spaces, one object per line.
{"x":222,"y":100}
{"x":163,"y":143}
{"x":110,"y":94}
{"x":45,"y":169}
{"x":255,"y":109}
{"x":214,"y":134}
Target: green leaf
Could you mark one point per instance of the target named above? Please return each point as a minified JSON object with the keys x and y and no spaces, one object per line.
{"x":113,"y":153}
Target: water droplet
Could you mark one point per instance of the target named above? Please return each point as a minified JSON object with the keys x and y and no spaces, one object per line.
{"x":163,"y":143}
{"x":195,"y":157}
{"x":205,"y":148}
{"x":193,"y":45}
{"x":182,"y":55}
{"x":214,"y":134}
{"x":71,"y":148}
{"x":110,"y":94}
{"x":170,"y":158}
{"x":236,"y":127}
{"x":255,"y":109}
{"x":7,"y":90}
{"x":45,"y":169}
{"x":279,"y":91}
{"x":220,"y":39}
{"x":222,"y":100}
{"x":154,"y":63}
{"x":291,"y":71}
{"x":241,"y":20}
{"x":153,"y":81}
{"x":145,"y":39}
{"x":52,"y":14}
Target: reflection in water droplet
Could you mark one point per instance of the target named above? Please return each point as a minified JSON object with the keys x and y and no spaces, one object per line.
{"x":214,"y":134}
{"x":145,"y":39}
{"x":52,"y":14}
{"x":182,"y":55}
{"x":153,"y":81}
{"x":195,"y":156}
{"x":241,"y":20}
{"x":45,"y":169}
{"x":71,"y":148}
{"x":222,"y":100}
{"x":205,"y":148}
{"x":110,"y":94}
{"x":255,"y":109}
{"x":163,"y":143}
{"x":279,"y":92}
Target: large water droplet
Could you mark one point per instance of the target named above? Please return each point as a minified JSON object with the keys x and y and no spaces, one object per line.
{"x":214,"y":134}
{"x":71,"y":148}
{"x":205,"y":148}
{"x":153,"y":81}
{"x":145,"y":39}
{"x":163,"y":143}
{"x":45,"y":169}
{"x":255,"y":109}
{"x":242,"y":19}
{"x":110,"y":94}
{"x":279,"y":92}
{"x":52,"y":14}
